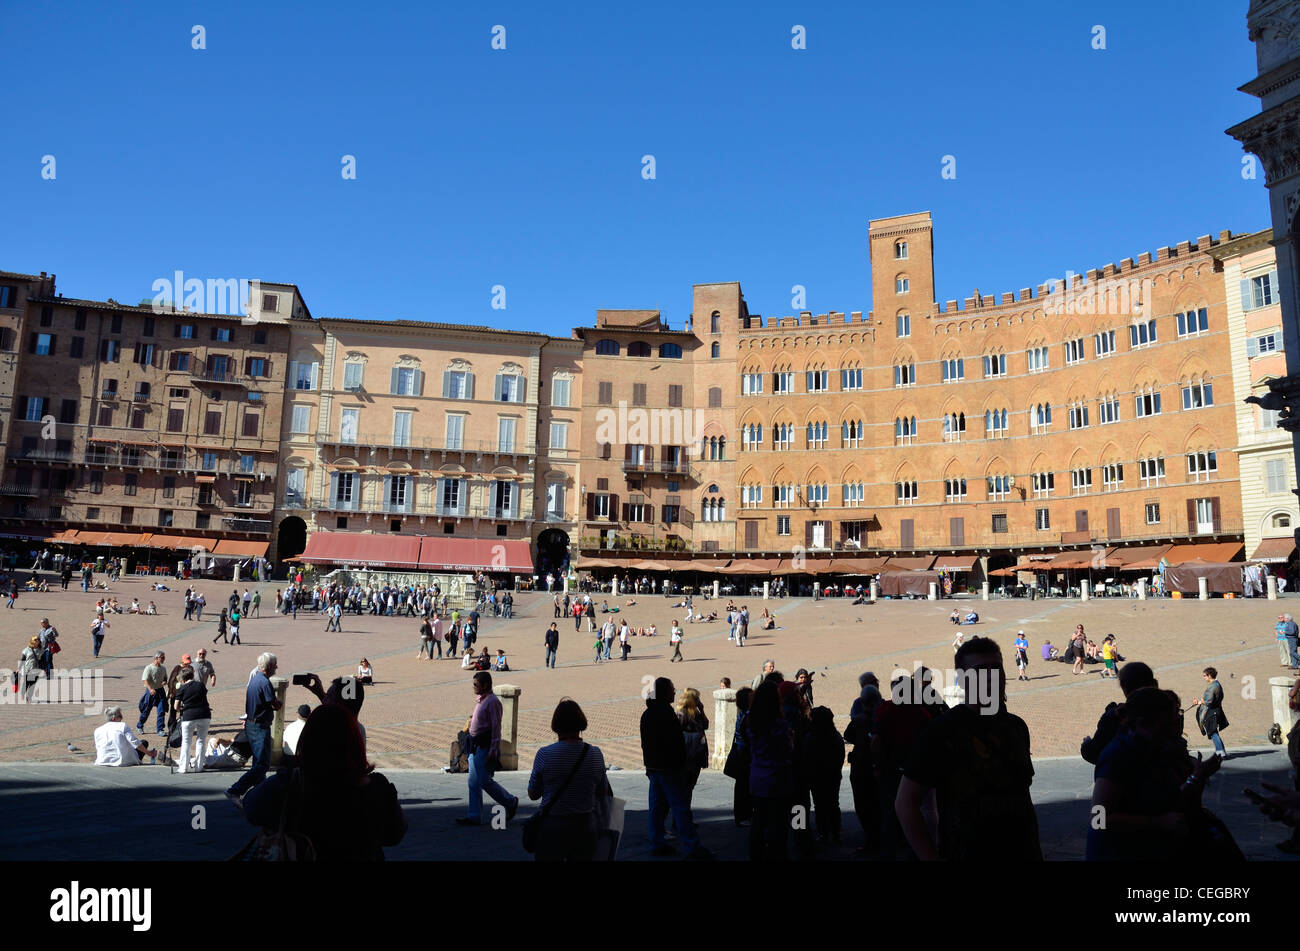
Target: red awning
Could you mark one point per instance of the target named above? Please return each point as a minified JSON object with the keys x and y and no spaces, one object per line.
{"x":955,"y":562}
{"x":751,"y":566}
{"x":362,"y":550}
{"x":238,"y":549}
{"x":857,"y":566}
{"x":1274,"y":549}
{"x":178,"y":542}
{"x":108,"y":538}
{"x":1217,"y":552}
{"x":475,"y":554}
{"x":921,"y":563}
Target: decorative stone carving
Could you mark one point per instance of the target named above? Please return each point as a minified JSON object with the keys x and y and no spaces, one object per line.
{"x":355,"y":356}
{"x":408,"y":360}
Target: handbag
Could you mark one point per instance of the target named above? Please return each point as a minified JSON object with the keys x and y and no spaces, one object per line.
{"x":54,"y":647}
{"x":533,"y":825}
{"x":737,"y":764}
{"x":282,"y":845}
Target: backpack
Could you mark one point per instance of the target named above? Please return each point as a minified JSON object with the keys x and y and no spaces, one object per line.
{"x":459,"y":756}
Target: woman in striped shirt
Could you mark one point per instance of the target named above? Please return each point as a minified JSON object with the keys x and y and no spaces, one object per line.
{"x":569,"y":830}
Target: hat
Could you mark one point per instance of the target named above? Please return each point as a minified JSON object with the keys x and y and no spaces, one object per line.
{"x":186,"y":660}
{"x":1020,"y":633}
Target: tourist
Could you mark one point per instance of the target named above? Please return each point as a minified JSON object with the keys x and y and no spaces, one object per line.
{"x":803,"y":682}
{"x":29,"y":666}
{"x":862,"y":778}
{"x":569,"y":778}
{"x":1049,"y":652}
{"x":235,"y":617}
{"x":971,"y":617}
{"x":1079,"y":646}
{"x":675,"y":639}
{"x":769,"y":666}
{"x":152,"y":609}
{"x":738,"y":759}
{"x":1022,"y":656}
{"x":824,"y":753}
{"x":969,"y":785}
{"x":426,"y":640}
{"x":742,"y":634}
{"x":199,"y":602}
{"x":260,"y":705}
{"x":155,"y":691}
{"x":484,"y":750}
{"x":191,"y":705}
{"x":1209,"y":709}
{"x":663,"y":748}
{"x":695,"y":727}
{"x":257,"y":604}
{"x":467,"y":660}
{"x":221,"y":628}
{"x":135,"y":606}
{"x":452,"y":637}
{"x":957,"y":641}
{"x":98,"y":628}
{"x":955,"y":617}
{"x":294,"y":730}
{"x":625,"y":646}
{"x":348,"y":812}
{"x":365,"y":673}
{"x":552,"y":641}
{"x":795,"y":712}
{"x":1291,"y":633}
{"x":499,"y":662}
{"x":1133,"y":677}
{"x":204,"y":672}
{"x":116,"y":745}
{"x":771,"y":775}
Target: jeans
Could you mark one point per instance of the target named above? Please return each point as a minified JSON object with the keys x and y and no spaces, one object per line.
{"x":259,"y":737}
{"x":159,"y":700}
{"x":668,"y":792}
{"x":507,"y":611}
{"x":550,"y":657}
{"x":1293,"y":648}
{"x":193,"y":730}
{"x":99,"y":642}
{"x":1218,"y":743}
{"x":198,"y":612}
{"x":481,"y":781}
{"x":608,"y":646}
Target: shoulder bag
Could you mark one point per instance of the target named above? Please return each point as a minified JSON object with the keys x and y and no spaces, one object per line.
{"x":533,"y":826}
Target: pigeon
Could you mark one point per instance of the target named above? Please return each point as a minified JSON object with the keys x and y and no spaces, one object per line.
{"x":73,"y":749}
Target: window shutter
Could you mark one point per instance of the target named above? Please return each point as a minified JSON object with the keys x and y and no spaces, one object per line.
{"x":392,"y":380}
{"x":627,"y":452}
{"x":446,"y":384}
{"x":591,"y":506}
{"x":1112,"y":524}
{"x":419,"y":383}
{"x":1216,"y":513}
{"x":1081,"y":520}
{"x":388,"y":490}
{"x":266,"y":369}
{"x":623,"y":512}
{"x":1191,"y":516}
{"x":334,"y":486}
{"x":906,"y":533}
{"x":469,"y":386}
{"x":1245,"y":295}
{"x":293,"y":374}
{"x":315,"y":374}
{"x":648,"y":511}
{"x":522,"y":389}
{"x":22,"y":407}
{"x":496,"y":387}
{"x":1252,"y":346}
{"x":613,"y":508}
{"x":751,"y":534}
{"x":649,"y":455}
{"x":807,"y":534}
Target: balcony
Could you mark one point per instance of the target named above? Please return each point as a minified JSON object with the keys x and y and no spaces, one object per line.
{"x":675,"y":466}
{"x":210,"y":375}
{"x":459,"y":510}
{"x":15,"y":489}
{"x":638,"y":465}
{"x":294,"y":500}
{"x":45,"y":455}
{"x":386,"y":441}
{"x":236,"y":523}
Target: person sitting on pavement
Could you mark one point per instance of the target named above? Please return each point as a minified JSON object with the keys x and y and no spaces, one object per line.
{"x":117,"y":745}
{"x":955,"y":617}
{"x":971,"y":618}
{"x":1050,"y":652}
{"x":152,"y":609}
{"x":500,"y":662}
{"x":293,"y":730}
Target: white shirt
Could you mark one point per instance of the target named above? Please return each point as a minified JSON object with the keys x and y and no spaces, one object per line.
{"x":115,"y":745}
{"x":676,"y":635}
{"x":291,"y":734}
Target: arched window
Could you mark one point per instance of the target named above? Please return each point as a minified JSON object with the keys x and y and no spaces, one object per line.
{"x":670,"y":351}
{"x":720,"y":511}
{"x":904,"y":430}
{"x":722,"y":447}
{"x":715,"y":351}
{"x":638,"y":348}
{"x":715,"y":323}
{"x":1282,"y":521}
{"x":900,"y":250}
{"x":607,"y":348}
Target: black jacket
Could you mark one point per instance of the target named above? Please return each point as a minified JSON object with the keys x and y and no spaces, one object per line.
{"x":663,"y":745}
{"x":552,"y":639}
{"x":1107,"y":729}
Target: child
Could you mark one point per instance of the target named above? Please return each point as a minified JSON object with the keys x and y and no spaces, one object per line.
{"x":600,"y":646}
{"x":956,"y":642}
{"x":1022,"y":655}
{"x":501,"y":660}
{"x":824,"y":754}
{"x":153,"y":608}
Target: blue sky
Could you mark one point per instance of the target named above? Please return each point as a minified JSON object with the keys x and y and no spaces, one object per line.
{"x":522,"y":167}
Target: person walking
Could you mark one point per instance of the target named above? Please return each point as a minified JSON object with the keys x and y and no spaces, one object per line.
{"x":426,"y":640}
{"x":260,"y":705}
{"x":569,"y":778}
{"x":155,"y":692}
{"x":1079,"y":645}
{"x":257,"y":604}
{"x":484,"y":752}
{"x":221,"y":628}
{"x":1209,"y":709}
{"x":235,"y":618}
{"x":199,"y":602}
{"x":552,"y":641}
{"x":453,"y":635}
{"x":663,"y":749}
{"x":675,"y":639}
{"x":1290,"y":633}
{"x":98,"y":628}
{"x":1022,"y":656}
{"x":333,"y":618}
{"x":191,"y":705}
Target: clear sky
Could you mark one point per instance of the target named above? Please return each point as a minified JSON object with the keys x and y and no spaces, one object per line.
{"x":523,"y":167}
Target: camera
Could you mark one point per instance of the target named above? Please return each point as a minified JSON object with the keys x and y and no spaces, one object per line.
{"x":301,"y":680}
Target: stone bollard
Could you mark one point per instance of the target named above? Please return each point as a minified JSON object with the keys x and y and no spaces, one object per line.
{"x":236,"y":579}
{"x":509,"y":696}
{"x":715,"y":588}
{"x":281,"y":687}
{"x":1203,"y":589}
{"x":1280,"y":687}
{"x":934,"y":592}
{"x":767,"y":589}
{"x":1272,"y":588}
{"x":875,"y":590}
{"x":724,"y":726}
{"x":817,"y":590}
{"x":984,"y":590}
{"x":1142,"y":589}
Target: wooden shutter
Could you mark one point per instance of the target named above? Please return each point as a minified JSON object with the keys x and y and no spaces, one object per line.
{"x":807,"y":534}
{"x":250,"y":423}
{"x":613,"y":508}
{"x":648,"y":511}
{"x":1216,"y":514}
{"x":293,"y":372}
{"x":1252,"y":346}
{"x":627,"y":452}
{"x":957,"y":531}
{"x":1245,"y":295}
{"x":1191,"y":516}
{"x":649,"y":456}
{"x":1081,"y":520}
{"x":392,"y":380}
{"x":1112,"y":524}
{"x":419,"y":380}
{"x":906,"y":533}
{"x":751,"y":534}
{"x":591,"y":506}
{"x":624,"y":513}
{"x":446,"y":384}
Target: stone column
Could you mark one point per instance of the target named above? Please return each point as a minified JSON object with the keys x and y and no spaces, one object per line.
{"x":934,"y":592}
{"x":984,"y":590}
{"x":1203,"y":589}
{"x":509,"y":696}
{"x":281,"y":687}
{"x":716,"y":585}
{"x":767,"y":587}
{"x":724,"y":726}
{"x":1283,"y":715}
{"x":875,"y":590}
{"x":1083,"y":590}
{"x":1142,"y":589}
{"x":1272,"y":587}
{"x":817,"y":590}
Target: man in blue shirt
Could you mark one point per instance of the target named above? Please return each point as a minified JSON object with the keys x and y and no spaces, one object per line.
{"x":260,"y":705}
